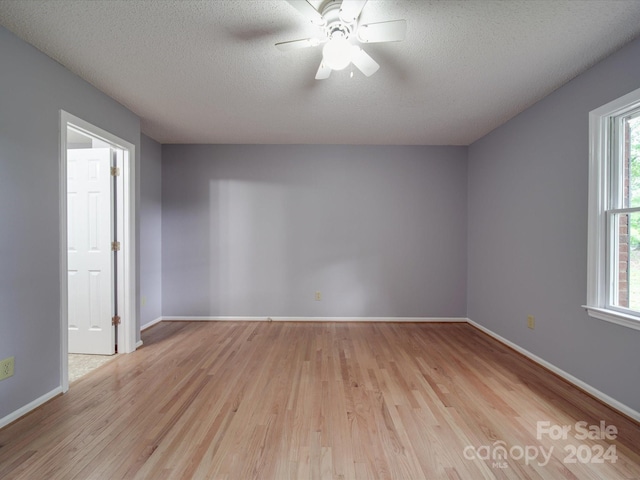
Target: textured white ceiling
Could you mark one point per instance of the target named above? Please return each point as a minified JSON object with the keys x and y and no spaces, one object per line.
{"x":208,"y":71}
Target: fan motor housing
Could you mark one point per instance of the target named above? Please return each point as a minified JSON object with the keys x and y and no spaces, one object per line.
{"x":334,"y":25}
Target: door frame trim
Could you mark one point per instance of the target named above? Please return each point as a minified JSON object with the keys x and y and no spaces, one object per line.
{"x":128,"y":255}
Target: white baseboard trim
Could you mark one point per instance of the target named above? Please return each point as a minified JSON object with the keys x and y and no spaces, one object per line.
{"x":603,"y":397}
{"x":318,"y":319}
{"x":13,"y":416}
{"x":213,"y":319}
{"x":150,"y":324}
{"x":138,"y":344}
{"x":371,"y":319}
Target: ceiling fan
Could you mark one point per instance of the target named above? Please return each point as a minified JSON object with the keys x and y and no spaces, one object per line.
{"x":339,"y":27}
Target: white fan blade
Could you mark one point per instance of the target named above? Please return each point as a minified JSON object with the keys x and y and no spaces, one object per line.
{"x":323,"y":72}
{"x":393,"y":31}
{"x":308,"y":11}
{"x":364,"y":62}
{"x":350,"y":10}
{"x":296,"y":44}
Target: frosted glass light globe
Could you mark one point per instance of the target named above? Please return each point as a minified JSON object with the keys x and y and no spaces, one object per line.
{"x":337,"y":53}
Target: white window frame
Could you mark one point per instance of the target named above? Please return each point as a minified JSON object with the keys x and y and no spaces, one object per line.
{"x":600,"y":167}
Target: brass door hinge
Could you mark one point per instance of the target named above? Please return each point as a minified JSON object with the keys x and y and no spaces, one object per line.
{"x":115,"y":246}
{"x":115,"y":320}
{"x":115,"y":171}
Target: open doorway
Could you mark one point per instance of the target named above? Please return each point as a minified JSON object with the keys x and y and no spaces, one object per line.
{"x":97,"y":245}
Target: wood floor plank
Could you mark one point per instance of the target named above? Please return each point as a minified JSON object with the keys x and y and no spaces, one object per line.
{"x":270,"y":400}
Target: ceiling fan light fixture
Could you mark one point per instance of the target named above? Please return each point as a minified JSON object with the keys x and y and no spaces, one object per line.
{"x":337,"y":52}
{"x":341,"y":31}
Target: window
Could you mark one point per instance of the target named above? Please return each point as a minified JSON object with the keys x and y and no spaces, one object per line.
{"x":614,"y":212}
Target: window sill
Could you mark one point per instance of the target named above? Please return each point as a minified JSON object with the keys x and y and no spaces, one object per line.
{"x":613,"y":316}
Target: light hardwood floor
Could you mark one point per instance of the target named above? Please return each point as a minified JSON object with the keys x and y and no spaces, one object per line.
{"x":317,"y":400}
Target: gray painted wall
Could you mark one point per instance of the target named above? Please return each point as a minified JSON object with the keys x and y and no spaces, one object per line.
{"x":150,"y":230}
{"x":33,"y":89}
{"x":528,"y":190}
{"x":253,"y":230}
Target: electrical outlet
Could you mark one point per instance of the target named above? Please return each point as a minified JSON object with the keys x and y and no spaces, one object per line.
{"x":6,"y":368}
{"x":318,"y":296}
{"x":531,"y":322}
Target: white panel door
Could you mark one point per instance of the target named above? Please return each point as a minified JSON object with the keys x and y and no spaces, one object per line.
{"x":90,"y":259}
